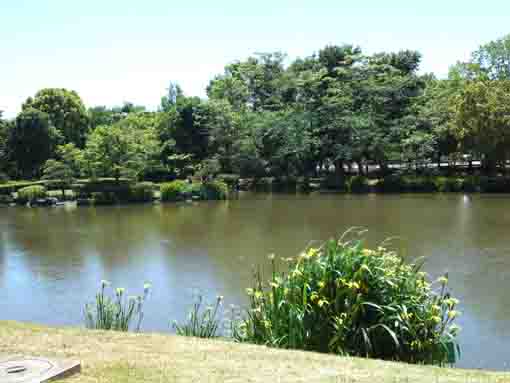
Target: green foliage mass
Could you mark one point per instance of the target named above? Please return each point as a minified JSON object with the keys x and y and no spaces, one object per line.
{"x":347,"y":299}
{"x":174,"y":191}
{"x":334,"y":112}
{"x":31,"y":193}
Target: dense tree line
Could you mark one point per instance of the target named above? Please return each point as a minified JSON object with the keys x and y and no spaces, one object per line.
{"x":337,"y":110}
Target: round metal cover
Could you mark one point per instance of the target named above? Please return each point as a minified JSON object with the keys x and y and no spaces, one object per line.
{"x":18,"y":369}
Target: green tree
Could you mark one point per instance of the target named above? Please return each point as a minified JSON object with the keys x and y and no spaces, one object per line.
{"x":60,"y":173}
{"x":120,"y":151}
{"x":494,"y":58}
{"x":65,"y":111}
{"x":481,"y":120}
{"x":32,"y":141}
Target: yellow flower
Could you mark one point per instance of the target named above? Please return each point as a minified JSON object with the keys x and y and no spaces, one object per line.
{"x":258,"y":294}
{"x":285,"y":291}
{"x":322,"y":284}
{"x":451,"y":302}
{"x":249,"y":291}
{"x":314,"y":296}
{"x":443,"y":280}
{"x":120,"y":290}
{"x":436,"y":319}
{"x":312,"y":252}
{"x":322,"y":302}
{"x":267,"y":324}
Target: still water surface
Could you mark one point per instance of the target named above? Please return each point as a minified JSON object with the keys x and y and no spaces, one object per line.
{"x":52,"y":260}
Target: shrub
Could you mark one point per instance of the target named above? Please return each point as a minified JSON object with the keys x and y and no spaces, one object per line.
{"x":104,"y":198}
{"x":494,"y":184}
{"x":174,"y":191}
{"x":202,"y":323}
{"x":142,"y":192}
{"x":344,"y":298}
{"x":391,"y":184}
{"x":214,"y":190}
{"x":419,"y":184}
{"x":448,"y":184}
{"x":333,"y":182}
{"x":120,"y":189}
{"x":358,"y":184}
{"x":31,"y":193}
{"x":117,"y":313}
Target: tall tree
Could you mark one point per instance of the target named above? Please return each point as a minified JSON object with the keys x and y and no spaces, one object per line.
{"x":32,"y":141}
{"x":65,"y":111}
{"x":494,"y":58}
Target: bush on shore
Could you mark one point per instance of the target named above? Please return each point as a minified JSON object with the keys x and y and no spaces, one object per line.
{"x":174,"y":191}
{"x":358,"y":184}
{"x":31,"y":193}
{"x":214,"y":190}
{"x":346,"y":299}
{"x":141,"y":192}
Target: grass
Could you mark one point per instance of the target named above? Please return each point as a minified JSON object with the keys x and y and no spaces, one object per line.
{"x":113,"y":357}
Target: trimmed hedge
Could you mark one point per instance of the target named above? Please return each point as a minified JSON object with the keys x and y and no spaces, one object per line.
{"x":141,"y":192}
{"x":31,"y":193}
{"x":174,"y":191}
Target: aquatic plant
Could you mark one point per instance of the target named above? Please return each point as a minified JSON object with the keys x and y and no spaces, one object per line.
{"x":202,"y":322}
{"x":347,"y":299}
{"x":116,"y":313}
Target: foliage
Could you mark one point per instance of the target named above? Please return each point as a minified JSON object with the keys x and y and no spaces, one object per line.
{"x":214,"y":190}
{"x":201,"y":323}
{"x":120,"y":150}
{"x":174,"y":191}
{"x":344,"y":298}
{"x":31,"y":193}
{"x":449,"y":184}
{"x":65,"y":110}
{"x":358,"y":184}
{"x":142,"y":192}
{"x":116,"y":313}
{"x":32,"y":141}
{"x":104,"y":198}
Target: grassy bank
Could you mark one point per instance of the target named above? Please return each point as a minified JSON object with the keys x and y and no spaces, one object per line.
{"x":126,"y":357}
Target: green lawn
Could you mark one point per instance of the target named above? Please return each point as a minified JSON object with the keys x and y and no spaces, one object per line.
{"x":156,"y":358}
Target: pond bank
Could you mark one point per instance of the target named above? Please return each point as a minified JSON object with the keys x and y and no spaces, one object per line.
{"x":110,"y":357}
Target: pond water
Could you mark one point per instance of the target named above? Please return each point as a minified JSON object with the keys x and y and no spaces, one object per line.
{"x":53,"y":259}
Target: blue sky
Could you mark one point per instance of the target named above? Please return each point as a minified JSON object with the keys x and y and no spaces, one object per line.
{"x":112,"y":51}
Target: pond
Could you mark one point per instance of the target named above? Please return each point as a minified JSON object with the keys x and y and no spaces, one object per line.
{"x":53,"y":259}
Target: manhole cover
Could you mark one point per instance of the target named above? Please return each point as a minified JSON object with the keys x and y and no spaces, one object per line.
{"x":17,"y":369}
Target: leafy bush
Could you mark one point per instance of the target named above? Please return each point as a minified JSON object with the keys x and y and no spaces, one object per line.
{"x":419,"y":184}
{"x":116,"y":313}
{"x":31,"y":193}
{"x":142,"y":192}
{"x":344,"y":298}
{"x":391,"y":184}
{"x":333,"y":182}
{"x":358,"y":184}
{"x":104,"y":198}
{"x":174,"y":191}
{"x":202,"y":323}
{"x":214,"y":190}
{"x":120,"y":189}
{"x":448,"y":184}
{"x":494,"y":184}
